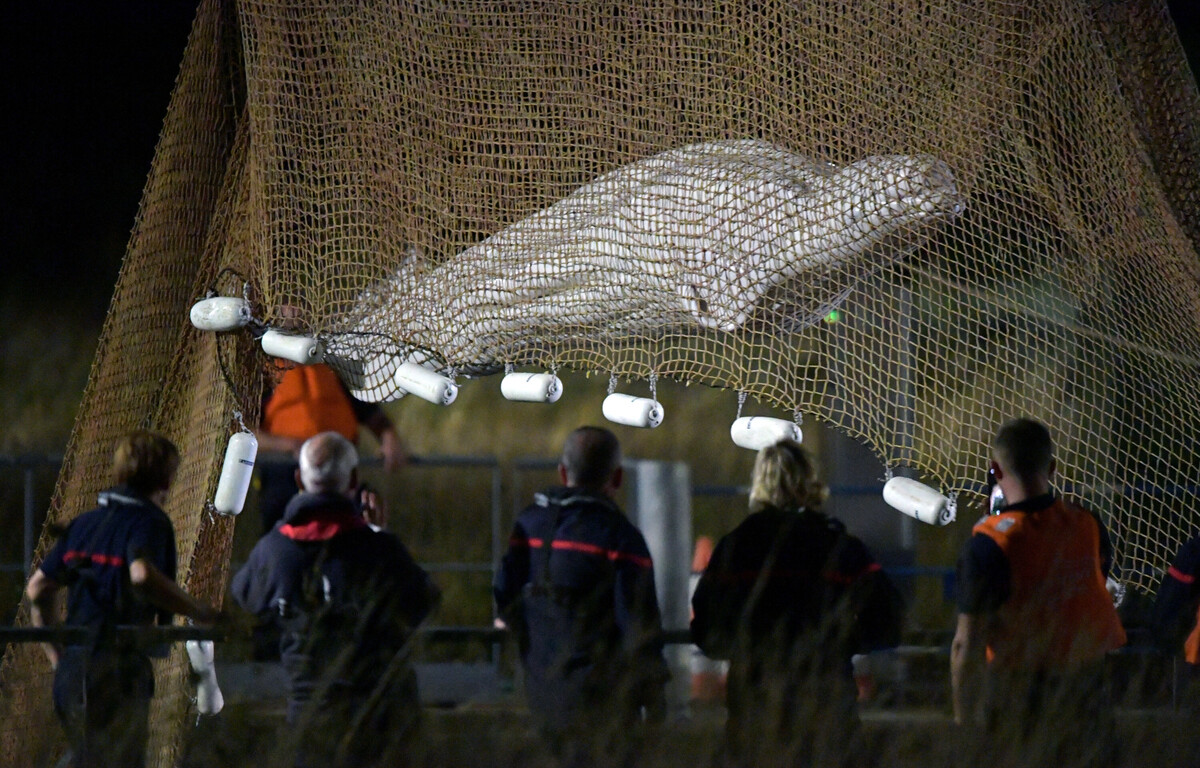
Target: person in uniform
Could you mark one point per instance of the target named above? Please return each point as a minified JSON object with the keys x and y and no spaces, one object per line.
{"x":577,"y":587}
{"x":789,"y":597}
{"x":1035,"y":620}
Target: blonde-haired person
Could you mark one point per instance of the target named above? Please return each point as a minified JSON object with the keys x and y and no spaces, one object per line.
{"x":788,"y":597}
{"x":117,"y":563}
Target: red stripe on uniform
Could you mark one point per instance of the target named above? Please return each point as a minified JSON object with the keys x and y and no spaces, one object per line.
{"x":847,"y":578}
{"x":95,"y":557}
{"x":611,"y":554}
{"x":585,"y":548}
{"x":1175,"y":573}
{"x":837,"y":577}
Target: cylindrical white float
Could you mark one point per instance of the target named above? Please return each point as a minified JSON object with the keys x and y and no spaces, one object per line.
{"x":209,"y":699}
{"x":235,"y":474}
{"x":220,"y":313}
{"x":418,"y":380}
{"x":531,"y":387}
{"x":299,"y":349}
{"x":757,"y":432}
{"x":632,"y":411}
{"x":918,"y":500}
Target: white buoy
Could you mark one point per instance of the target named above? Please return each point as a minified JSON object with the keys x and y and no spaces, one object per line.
{"x":632,"y":411}
{"x":299,"y":349}
{"x":220,"y":313}
{"x":209,"y":699}
{"x":531,"y":387}
{"x":235,"y":474}
{"x":918,"y":500}
{"x":420,"y":381}
{"x":757,"y":432}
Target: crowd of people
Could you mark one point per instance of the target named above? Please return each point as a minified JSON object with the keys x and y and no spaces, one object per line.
{"x":788,"y":598}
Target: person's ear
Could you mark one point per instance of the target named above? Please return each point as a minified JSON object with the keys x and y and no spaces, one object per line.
{"x":299,"y":482}
{"x":995,"y":469}
{"x":618,"y":475}
{"x":562,"y":474}
{"x":1053,"y":468}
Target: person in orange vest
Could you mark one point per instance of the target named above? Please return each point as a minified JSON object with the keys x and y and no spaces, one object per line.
{"x":309,"y":400}
{"x":1035,"y":620}
{"x":708,"y":675}
{"x":1176,"y":617}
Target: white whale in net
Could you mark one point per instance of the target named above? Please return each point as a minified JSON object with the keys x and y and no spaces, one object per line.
{"x":695,"y":236}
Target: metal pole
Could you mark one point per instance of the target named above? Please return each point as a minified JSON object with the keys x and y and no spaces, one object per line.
{"x":29,"y":541}
{"x":497,"y":531}
{"x":497,"y":550}
{"x":660,"y":504}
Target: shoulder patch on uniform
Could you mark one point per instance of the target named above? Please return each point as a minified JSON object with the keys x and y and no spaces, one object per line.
{"x":1005,"y":524}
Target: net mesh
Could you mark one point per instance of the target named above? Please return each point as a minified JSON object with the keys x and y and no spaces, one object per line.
{"x":998,"y":198}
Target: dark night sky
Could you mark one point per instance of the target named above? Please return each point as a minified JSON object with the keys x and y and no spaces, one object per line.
{"x":88,"y":84}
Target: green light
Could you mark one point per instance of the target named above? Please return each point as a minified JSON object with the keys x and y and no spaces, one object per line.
{"x":834,"y":316}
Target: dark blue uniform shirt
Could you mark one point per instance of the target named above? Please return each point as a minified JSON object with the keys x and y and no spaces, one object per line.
{"x":92,"y":560}
{"x":577,"y":585}
{"x":1175,"y":604}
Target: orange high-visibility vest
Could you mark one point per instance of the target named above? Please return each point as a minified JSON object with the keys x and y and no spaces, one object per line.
{"x":1058,"y":613}
{"x":1191,"y":647}
{"x":309,"y":400}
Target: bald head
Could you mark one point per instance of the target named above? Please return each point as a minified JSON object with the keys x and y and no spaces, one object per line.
{"x":327,"y":463}
{"x":591,"y":457}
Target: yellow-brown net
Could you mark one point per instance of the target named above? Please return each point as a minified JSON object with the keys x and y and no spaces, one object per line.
{"x":999,"y":199}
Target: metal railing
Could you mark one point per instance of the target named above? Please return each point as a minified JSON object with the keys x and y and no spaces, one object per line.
{"x":28,"y":465}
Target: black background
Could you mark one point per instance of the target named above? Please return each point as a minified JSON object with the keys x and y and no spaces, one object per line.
{"x":88,"y":85}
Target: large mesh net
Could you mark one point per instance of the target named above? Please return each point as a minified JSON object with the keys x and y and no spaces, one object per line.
{"x":998,"y":198}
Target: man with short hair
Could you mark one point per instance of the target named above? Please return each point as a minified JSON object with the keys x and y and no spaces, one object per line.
{"x":117,"y":563}
{"x":577,"y":586}
{"x":347,"y":598}
{"x":1035,"y":620}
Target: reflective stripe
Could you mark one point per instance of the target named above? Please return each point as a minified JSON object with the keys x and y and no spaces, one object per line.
{"x":835,"y":577}
{"x":95,"y":557}
{"x":849,"y":578}
{"x":585,"y":548}
{"x":1179,"y":575}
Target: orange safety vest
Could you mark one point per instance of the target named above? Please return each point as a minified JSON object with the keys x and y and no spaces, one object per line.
{"x":1191,"y":646}
{"x":1058,"y":613}
{"x":309,"y":400}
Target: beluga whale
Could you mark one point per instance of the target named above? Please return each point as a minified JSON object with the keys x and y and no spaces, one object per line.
{"x":693,"y":237}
